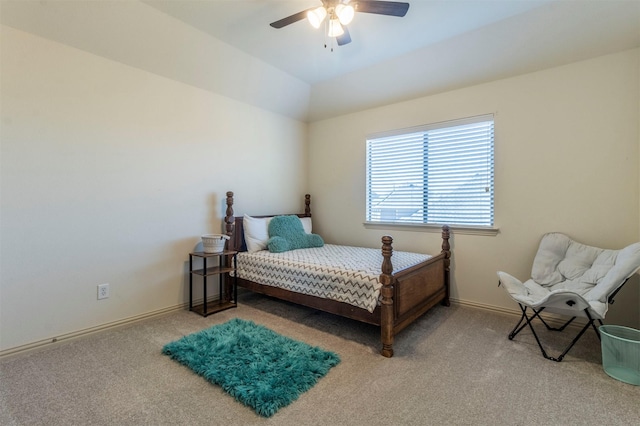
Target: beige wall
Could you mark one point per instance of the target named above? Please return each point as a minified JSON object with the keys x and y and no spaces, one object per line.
{"x":110,"y":174}
{"x":566,"y":155}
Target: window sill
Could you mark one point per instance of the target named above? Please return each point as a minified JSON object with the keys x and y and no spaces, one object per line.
{"x":457,"y":229}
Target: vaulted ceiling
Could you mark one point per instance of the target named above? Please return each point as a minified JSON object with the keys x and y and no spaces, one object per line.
{"x":228,"y":47}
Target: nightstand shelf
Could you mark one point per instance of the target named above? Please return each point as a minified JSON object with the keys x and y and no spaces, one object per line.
{"x":228,"y":288}
{"x":213,"y":270}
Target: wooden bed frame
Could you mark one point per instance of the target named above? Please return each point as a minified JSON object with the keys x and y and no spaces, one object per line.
{"x":405,"y":295}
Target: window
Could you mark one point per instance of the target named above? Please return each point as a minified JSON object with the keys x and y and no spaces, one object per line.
{"x":434,"y":174}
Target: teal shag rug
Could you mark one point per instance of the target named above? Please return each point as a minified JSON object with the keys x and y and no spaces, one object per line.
{"x":257,"y":366}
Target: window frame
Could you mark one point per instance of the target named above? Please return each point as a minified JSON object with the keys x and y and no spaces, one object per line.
{"x":433,"y":227}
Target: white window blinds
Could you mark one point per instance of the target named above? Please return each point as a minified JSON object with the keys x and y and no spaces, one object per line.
{"x":435,"y":174}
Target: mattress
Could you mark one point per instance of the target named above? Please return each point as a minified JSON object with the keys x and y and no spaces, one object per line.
{"x":343,"y":273}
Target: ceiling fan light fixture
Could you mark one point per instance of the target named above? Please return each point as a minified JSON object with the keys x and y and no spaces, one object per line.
{"x":345,"y":13}
{"x":335,"y":29}
{"x":336,"y":15}
{"x":316,"y":16}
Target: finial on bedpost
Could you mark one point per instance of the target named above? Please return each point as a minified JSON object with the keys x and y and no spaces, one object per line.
{"x":446,"y":249}
{"x":229,"y":220}
{"x":386,"y":302}
{"x":307,"y":204}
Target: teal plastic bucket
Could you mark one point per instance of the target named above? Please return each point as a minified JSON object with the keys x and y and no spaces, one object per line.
{"x":621,"y":353}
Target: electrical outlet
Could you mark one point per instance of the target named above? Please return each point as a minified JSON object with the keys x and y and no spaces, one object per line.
{"x":103,"y":291}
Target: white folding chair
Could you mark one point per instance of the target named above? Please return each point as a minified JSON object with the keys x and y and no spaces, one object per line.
{"x":570,"y":279}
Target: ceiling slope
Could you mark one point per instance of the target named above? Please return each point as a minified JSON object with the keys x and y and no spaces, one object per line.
{"x":552,"y":35}
{"x":135,"y":34}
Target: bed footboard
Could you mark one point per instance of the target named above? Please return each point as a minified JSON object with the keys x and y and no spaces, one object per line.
{"x":408,"y":294}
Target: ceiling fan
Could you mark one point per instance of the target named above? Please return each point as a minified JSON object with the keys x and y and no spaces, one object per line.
{"x":339,"y":14}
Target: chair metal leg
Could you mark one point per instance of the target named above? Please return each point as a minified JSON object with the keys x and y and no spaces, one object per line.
{"x":537,"y":313}
{"x":527,"y":321}
{"x":517,"y":330}
{"x":596,"y":329}
{"x":554,"y":328}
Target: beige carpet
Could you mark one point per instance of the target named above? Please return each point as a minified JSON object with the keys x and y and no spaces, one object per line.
{"x":454,"y":366}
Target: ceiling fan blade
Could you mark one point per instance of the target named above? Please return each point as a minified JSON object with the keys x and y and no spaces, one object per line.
{"x":290,"y":19}
{"x":345,"y":38}
{"x":390,"y":8}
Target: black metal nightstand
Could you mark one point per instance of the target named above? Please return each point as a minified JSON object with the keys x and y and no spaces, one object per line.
{"x":228,"y":290}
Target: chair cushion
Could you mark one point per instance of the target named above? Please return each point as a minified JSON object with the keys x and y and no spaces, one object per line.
{"x":553,"y":248}
{"x":562,"y":264}
{"x":600,"y":266}
{"x":577,"y":260}
{"x":627,"y":263}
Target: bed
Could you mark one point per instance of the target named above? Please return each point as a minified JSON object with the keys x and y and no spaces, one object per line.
{"x":403,"y":295}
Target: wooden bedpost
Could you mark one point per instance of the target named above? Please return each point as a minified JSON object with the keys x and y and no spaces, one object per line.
{"x":386,"y":303}
{"x":229,"y":221}
{"x":446,"y":249}
{"x":307,"y":205}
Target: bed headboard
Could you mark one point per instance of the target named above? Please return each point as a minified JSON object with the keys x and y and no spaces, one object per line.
{"x":234,"y":225}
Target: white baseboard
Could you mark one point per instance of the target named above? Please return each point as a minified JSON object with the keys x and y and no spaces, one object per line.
{"x":490,"y":308}
{"x":551,"y":319}
{"x":79,"y":333}
{"x":102,"y":327}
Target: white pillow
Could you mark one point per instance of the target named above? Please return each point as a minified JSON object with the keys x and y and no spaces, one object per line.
{"x":256,"y":232}
{"x":306,"y":224}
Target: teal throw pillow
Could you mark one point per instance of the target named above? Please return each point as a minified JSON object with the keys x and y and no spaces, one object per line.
{"x":286,"y":233}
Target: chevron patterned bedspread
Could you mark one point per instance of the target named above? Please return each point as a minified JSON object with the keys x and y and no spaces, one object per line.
{"x":343,"y":273}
